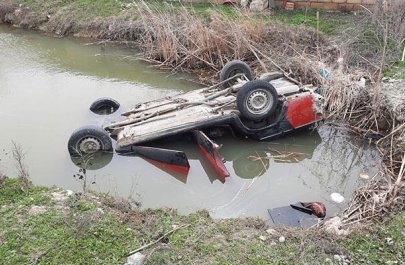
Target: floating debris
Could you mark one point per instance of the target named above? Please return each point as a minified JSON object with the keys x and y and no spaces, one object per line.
{"x":317,"y":208}
{"x":336,"y":197}
{"x":293,"y":215}
{"x":280,"y":156}
{"x":364,"y":175}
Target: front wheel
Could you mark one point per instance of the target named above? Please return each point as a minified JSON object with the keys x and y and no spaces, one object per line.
{"x":89,"y":140}
{"x":257,"y":100}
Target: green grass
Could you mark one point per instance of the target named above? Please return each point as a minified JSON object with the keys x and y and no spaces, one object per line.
{"x":79,"y":235}
{"x":397,"y":71}
{"x":89,"y":9}
{"x":205,"y":8}
{"x":200,"y":9}
{"x":76,"y":231}
{"x":93,"y":8}
{"x":374,"y":248}
{"x":328,"y":23}
{"x":81,"y":9}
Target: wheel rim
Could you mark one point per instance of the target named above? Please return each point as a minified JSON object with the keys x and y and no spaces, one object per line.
{"x":259,"y":101}
{"x":89,"y":145}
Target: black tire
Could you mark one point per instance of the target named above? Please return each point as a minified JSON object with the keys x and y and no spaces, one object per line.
{"x":258,"y":92}
{"x":232,"y":68}
{"x":93,"y":135}
{"x":104,"y":106}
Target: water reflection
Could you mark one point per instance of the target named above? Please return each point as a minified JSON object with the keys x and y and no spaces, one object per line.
{"x":249,"y":158}
{"x":92,"y":161}
{"x":180,"y":176}
{"x":252,"y":159}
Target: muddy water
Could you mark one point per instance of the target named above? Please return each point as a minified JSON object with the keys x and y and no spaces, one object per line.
{"x":48,"y":83}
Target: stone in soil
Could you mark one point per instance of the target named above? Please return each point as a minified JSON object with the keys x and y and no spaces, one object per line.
{"x":59,"y":197}
{"x":259,"y":5}
{"x":136,"y":259}
{"x":37,"y":210}
{"x":334,"y":226}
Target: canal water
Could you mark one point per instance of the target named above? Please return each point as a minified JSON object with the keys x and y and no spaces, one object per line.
{"x":48,"y":83}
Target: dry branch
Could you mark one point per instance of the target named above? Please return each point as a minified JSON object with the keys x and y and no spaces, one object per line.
{"x":19,"y":157}
{"x":159,"y":239}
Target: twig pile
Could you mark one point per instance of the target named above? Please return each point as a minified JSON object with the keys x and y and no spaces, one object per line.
{"x":279,"y":157}
{"x":183,"y":40}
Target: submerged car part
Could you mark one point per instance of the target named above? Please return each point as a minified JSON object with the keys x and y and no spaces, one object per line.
{"x":175,"y":160}
{"x":210,"y":151}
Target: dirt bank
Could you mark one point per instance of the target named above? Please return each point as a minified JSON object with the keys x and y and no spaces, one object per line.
{"x":202,"y":41}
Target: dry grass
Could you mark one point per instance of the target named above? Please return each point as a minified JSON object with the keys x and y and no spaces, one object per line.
{"x":184,"y":41}
{"x":179,"y":39}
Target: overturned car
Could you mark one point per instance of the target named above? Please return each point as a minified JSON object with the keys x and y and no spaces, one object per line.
{"x":261,"y":109}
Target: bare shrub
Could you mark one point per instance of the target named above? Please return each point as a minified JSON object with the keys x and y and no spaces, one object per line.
{"x":6,"y":8}
{"x":376,"y":36}
{"x":84,"y":161}
{"x":19,"y":157}
{"x":390,"y":16}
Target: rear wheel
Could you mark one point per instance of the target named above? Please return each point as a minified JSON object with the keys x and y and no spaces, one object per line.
{"x":89,"y":140}
{"x":104,"y":106}
{"x":257,"y":100}
{"x":233,"y":68}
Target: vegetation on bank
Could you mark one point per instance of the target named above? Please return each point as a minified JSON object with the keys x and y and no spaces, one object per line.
{"x":47,"y":226}
{"x":89,"y":9}
{"x":397,"y":70}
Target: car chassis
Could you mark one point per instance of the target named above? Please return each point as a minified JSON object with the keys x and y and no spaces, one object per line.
{"x":261,"y":109}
